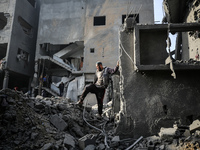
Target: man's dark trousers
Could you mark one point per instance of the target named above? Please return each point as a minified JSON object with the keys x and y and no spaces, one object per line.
{"x":99,"y":92}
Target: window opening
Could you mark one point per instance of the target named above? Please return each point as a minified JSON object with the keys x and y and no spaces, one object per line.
{"x":27,"y":28}
{"x":32,"y":2}
{"x":3,"y":21}
{"x":22,"y":55}
{"x":99,"y":20}
{"x":135,"y":16}
{"x":3,"y":50}
{"x":91,"y":50}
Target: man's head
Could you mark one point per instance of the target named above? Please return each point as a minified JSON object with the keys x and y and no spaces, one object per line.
{"x":99,"y":66}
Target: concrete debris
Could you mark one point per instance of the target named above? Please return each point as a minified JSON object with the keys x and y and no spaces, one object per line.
{"x":69,"y":141}
{"x":87,"y":140}
{"x":195,"y":126}
{"x":90,"y":147}
{"x":116,"y":139}
{"x":56,"y":124}
{"x":166,"y":133}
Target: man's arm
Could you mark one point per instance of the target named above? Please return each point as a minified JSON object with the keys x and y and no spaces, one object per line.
{"x":112,"y":71}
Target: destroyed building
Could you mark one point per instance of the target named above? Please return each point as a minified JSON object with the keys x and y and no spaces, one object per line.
{"x":18,"y":33}
{"x":73,"y":35}
{"x":158,"y":84}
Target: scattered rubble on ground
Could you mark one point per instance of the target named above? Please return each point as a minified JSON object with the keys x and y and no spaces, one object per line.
{"x":56,"y":124}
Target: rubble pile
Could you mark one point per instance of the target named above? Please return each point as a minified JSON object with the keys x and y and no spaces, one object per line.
{"x":56,"y":124}
{"x":180,"y":137}
{"x":41,"y":123}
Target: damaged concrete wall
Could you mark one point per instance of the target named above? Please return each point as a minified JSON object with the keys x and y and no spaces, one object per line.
{"x":153,"y":99}
{"x":192,"y":38}
{"x":18,"y":36}
{"x":22,"y":50}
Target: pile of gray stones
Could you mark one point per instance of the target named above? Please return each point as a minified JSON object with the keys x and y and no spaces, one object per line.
{"x":54,"y":123}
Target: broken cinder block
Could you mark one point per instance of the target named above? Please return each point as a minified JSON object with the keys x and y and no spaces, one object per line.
{"x":87,"y":140}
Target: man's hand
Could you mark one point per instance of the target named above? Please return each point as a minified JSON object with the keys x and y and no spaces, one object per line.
{"x":118,"y":63}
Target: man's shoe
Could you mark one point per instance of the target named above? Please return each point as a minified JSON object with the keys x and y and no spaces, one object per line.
{"x":80,"y":103}
{"x":99,"y":116}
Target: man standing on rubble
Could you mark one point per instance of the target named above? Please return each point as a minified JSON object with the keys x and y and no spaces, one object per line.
{"x":99,"y":85}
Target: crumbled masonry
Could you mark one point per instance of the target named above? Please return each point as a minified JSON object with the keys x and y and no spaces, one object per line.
{"x":56,"y":124}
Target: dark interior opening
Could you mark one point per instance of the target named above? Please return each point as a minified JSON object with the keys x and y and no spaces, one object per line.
{"x":22,"y":55}
{"x":189,"y":119}
{"x":51,"y":49}
{"x":99,"y":20}
{"x":91,"y":50}
{"x":136,"y":16}
{"x":3,"y":21}
{"x":3,"y":50}
{"x":165,"y":109}
{"x":27,"y":28}
{"x":32,"y":2}
{"x":18,"y":80}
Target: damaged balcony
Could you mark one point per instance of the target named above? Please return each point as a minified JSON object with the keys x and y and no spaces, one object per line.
{"x":151,"y":49}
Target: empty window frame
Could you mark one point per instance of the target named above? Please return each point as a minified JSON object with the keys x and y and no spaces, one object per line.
{"x":22,"y":55}
{"x":27,"y":28}
{"x":32,"y":2}
{"x":3,"y":21}
{"x":91,"y":50}
{"x":134,"y":16}
{"x":3,"y":50}
{"x":99,"y":20}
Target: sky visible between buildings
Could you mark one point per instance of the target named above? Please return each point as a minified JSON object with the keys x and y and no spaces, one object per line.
{"x":158,"y":16}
